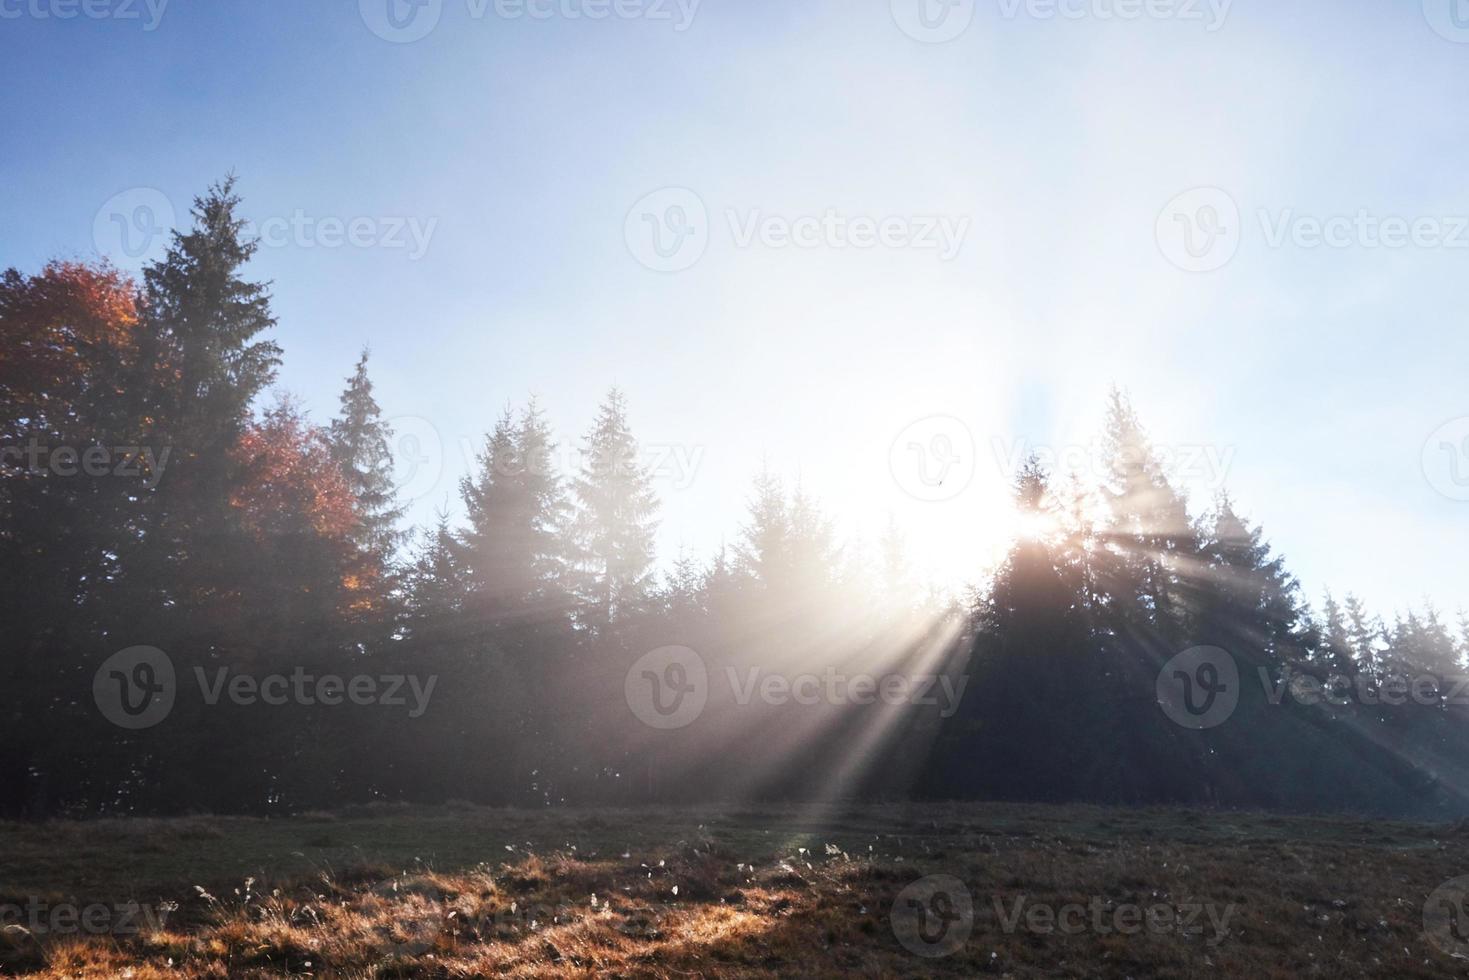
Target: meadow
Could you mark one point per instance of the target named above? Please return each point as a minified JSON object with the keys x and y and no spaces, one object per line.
{"x":748,"y":891}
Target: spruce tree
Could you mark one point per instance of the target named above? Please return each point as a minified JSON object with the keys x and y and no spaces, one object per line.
{"x":1334,"y":646}
{"x":544,"y":513}
{"x":764,"y":551}
{"x":612,"y":533}
{"x":1248,"y":587}
{"x":1148,"y":540}
{"x":512,"y":548}
{"x":361,"y":444}
{"x":1365,"y":635}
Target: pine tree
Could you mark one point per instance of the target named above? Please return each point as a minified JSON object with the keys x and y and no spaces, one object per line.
{"x":1334,"y":648}
{"x":203,"y":320}
{"x":813,"y":551}
{"x":721,"y":586}
{"x":1029,"y":656}
{"x":764,"y":551}
{"x":1149,"y":540}
{"x":1259,"y":597}
{"x":361,"y":443}
{"x":485,"y":549}
{"x":614,"y":524}
{"x":512,"y":550}
{"x":434,"y":580}
{"x":1364,"y":635}
{"x":893,"y":567}
{"x":682,"y":592}
{"x":201,"y":366}
{"x":1464,"y":637}
{"x":545,"y":512}
{"x":1422,"y":642}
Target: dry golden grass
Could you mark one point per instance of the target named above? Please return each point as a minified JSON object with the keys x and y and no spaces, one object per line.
{"x":775,"y":892}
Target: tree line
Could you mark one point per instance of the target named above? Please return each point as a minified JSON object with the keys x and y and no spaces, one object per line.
{"x":150,"y":497}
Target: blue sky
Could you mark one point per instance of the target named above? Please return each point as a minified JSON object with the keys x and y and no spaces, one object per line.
{"x":1064,"y":152}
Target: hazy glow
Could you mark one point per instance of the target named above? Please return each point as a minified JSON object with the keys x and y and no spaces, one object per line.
{"x":1324,"y":370}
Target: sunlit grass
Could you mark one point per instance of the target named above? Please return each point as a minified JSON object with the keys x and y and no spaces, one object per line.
{"x":464,"y":892}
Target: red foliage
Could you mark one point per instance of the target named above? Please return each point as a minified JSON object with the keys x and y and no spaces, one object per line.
{"x":290,"y":479}
{"x":291,"y":491}
{"x":62,"y":333}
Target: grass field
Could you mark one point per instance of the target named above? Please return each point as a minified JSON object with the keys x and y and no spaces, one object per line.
{"x":460,"y":891}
